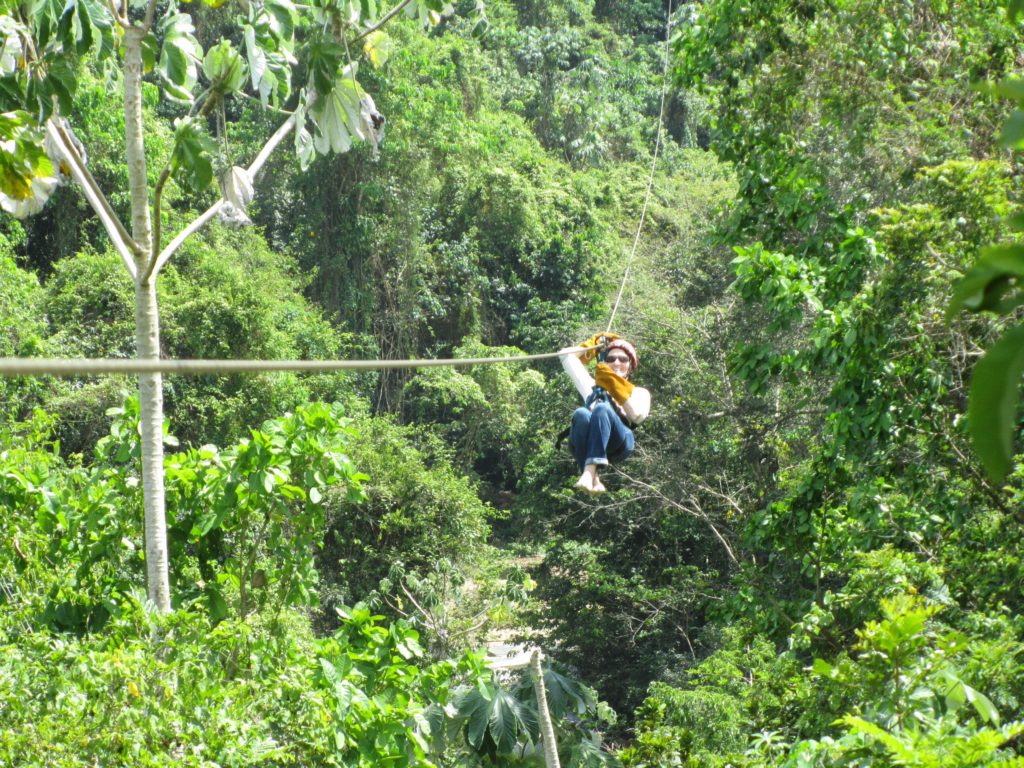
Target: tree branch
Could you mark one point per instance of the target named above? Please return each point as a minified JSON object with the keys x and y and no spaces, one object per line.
{"x":253,"y":169}
{"x":698,"y":513}
{"x":122,"y":20}
{"x":147,"y":22}
{"x":165,"y":174}
{"x":72,"y":152}
{"x":390,"y":15}
{"x":122,"y":241}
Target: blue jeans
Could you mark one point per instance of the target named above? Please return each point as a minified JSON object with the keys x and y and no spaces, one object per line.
{"x":599,"y":435}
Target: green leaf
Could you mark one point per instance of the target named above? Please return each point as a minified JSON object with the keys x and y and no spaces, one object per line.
{"x":499,"y":716}
{"x":190,"y":158}
{"x":565,"y":695}
{"x":283,"y":14}
{"x":1012,"y":134}
{"x":984,"y":706}
{"x":150,"y":49}
{"x":896,"y":747}
{"x":992,"y":406}
{"x":823,"y":668}
{"x":325,"y":59}
{"x":506,"y":721}
{"x":61,"y":82}
{"x":215,"y":603}
{"x":985,"y":285}
{"x":1011,"y":88}
{"x":224,"y":68}
{"x":475,"y":709}
{"x":94,"y":20}
{"x":179,"y":57}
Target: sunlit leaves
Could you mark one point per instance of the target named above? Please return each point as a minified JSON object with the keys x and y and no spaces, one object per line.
{"x":224,"y":68}
{"x":191,"y":162}
{"x":179,"y":57}
{"x":377,"y":47}
{"x":26,"y":173}
{"x":11,"y":47}
{"x":336,"y":114}
{"x":86,"y":23}
{"x":340,"y":115}
{"x":325,"y":58}
{"x":428,"y":12}
{"x":269,"y":40}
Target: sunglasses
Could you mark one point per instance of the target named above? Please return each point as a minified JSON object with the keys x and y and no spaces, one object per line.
{"x":617,"y":359}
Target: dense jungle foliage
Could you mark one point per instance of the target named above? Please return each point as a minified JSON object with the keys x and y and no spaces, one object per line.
{"x":806,"y":563}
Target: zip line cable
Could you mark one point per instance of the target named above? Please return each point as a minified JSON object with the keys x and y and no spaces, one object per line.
{"x":31,"y":366}
{"x":654,"y":162}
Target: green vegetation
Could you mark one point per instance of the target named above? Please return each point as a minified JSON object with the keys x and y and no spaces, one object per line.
{"x":816,"y":556}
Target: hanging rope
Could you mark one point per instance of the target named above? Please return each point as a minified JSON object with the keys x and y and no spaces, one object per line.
{"x":654,"y":162}
{"x":31,"y":366}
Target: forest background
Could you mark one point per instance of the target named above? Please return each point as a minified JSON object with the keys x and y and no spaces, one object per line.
{"x":805,"y":564}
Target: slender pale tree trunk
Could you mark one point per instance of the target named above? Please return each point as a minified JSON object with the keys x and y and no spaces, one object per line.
{"x":147,"y":330}
{"x":151,"y":415}
{"x":547,"y":728}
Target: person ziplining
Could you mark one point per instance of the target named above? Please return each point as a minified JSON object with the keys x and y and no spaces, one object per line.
{"x":602,"y":428}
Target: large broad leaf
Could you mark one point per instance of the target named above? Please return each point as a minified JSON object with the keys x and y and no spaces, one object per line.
{"x":345,"y":113}
{"x":336,"y":114}
{"x":324,"y":60}
{"x":589,"y":754}
{"x":282,"y":19}
{"x":377,"y":48}
{"x":179,"y":57}
{"x":191,"y":162}
{"x":992,"y":407}
{"x":224,"y":67}
{"x":270,"y":63}
{"x":26,"y":173}
{"x":60,"y":83}
{"x":564,"y":695}
{"x":495,"y":722}
{"x":428,"y":12}
{"x":993,"y":284}
{"x":10,"y":45}
{"x":88,"y":23}
{"x":1012,"y":135}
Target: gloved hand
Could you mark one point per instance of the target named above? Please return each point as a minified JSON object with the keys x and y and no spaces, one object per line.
{"x":619,"y":388}
{"x":595,"y":342}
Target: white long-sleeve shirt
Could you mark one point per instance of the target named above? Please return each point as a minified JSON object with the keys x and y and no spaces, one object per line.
{"x":636,"y":408}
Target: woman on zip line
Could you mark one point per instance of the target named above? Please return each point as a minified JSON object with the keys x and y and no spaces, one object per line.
{"x":602,"y":429}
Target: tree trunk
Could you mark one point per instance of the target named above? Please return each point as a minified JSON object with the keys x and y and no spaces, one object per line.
{"x":151,"y":417}
{"x":547,"y":728}
{"x":147,"y":330}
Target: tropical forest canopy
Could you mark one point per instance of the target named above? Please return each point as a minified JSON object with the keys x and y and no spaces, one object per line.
{"x":815,"y":557}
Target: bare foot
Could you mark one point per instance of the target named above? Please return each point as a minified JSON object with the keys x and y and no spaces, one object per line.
{"x":589,"y":481}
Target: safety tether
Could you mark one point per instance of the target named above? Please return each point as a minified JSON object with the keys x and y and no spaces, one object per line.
{"x":654,"y":162}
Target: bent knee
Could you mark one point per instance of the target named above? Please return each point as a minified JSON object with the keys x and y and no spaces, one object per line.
{"x":580,"y":415}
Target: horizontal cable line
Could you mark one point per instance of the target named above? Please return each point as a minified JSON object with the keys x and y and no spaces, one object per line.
{"x":32,"y":366}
